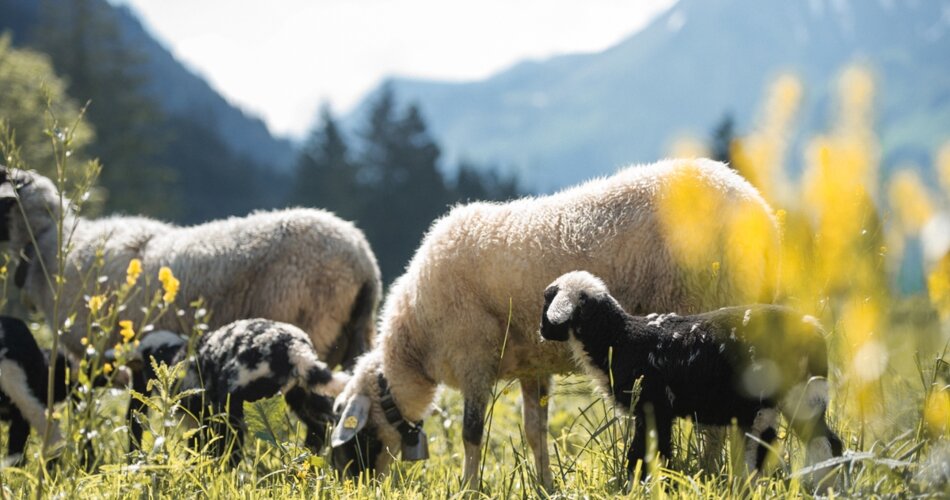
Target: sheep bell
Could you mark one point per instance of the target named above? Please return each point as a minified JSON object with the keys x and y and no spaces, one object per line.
{"x":416,"y":451}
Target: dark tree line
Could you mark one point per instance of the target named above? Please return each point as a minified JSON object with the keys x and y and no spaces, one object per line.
{"x":390,"y":182}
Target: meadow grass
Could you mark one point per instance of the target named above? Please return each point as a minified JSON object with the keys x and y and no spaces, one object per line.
{"x":895,"y":455}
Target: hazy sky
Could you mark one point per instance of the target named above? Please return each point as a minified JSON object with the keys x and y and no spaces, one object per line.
{"x":281,"y":58}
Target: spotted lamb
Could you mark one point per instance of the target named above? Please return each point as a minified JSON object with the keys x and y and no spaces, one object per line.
{"x":248,"y":360}
{"x":749,"y":363}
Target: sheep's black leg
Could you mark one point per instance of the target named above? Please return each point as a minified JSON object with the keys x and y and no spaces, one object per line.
{"x":638,"y":446}
{"x":473,"y":426}
{"x":139,"y":385}
{"x":534,"y":395}
{"x":664,"y":434}
{"x":18,"y":434}
{"x":236,"y":426}
{"x":645,"y":421}
{"x":315,"y":412}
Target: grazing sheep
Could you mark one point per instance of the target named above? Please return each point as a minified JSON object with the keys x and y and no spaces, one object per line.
{"x":248,"y":360}
{"x":748,"y":363}
{"x":302,"y":266}
{"x":23,"y":386}
{"x":472,"y":288}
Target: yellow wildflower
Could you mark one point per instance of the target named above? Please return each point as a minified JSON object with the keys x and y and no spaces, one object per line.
{"x":937,"y":413}
{"x":938,"y":286}
{"x":96,"y":302}
{"x":169,"y":283}
{"x":107,"y":368}
{"x":84,"y":341}
{"x":126,"y":330}
{"x":133,"y":272}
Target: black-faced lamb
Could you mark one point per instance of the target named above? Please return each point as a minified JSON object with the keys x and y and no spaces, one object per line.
{"x":302,"y":266}
{"x":747,"y":363}
{"x":472,"y":287}
{"x":248,"y":360}
{"x":23,"y":387}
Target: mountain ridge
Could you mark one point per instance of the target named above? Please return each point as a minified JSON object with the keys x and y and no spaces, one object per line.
{"x":570,"y":117}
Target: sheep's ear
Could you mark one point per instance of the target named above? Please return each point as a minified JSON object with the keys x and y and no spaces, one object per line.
{"x":352,"y":420}
{"x":561,"y":309}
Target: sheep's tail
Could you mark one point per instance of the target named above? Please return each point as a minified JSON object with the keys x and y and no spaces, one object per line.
{"x":360,"y":329}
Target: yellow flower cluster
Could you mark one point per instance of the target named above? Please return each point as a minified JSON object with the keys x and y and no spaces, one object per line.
{"x":938,"y":286}
{"x":96,"y":302}
{"x":169,"y":283}
{"x":910,"y":201}
{"x":126,"y":330}
{"x":832,"y":232}
{"x":133,"y":272}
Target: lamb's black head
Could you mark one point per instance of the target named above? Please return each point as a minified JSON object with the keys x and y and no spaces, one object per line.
{"x":163,"y":345}
{"x":564,"y":303}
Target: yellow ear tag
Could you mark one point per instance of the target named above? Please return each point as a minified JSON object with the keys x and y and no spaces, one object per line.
{"x":350,"y":422}
{"x":544,"y":401}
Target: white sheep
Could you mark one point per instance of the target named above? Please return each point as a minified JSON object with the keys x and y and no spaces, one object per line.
{"x":302,"y":266}
{"x":743,"y":364}
{"x":473,"y":289}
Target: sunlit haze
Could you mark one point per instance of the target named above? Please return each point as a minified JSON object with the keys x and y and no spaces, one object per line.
{"x":280,"y":60}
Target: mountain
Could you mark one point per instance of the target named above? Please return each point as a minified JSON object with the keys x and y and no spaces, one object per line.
{"x":178,"y":91}
{"x":571,"y":117}
{"x":183,"y":93}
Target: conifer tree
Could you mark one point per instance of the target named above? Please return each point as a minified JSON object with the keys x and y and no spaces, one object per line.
{"x":325,"y":175}
{"x":399,"y":172}
{"x":86,"y":47}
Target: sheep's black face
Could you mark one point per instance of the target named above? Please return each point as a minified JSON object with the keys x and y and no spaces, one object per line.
{"x":315,"y":411}
{"x":553,"y":331}
{"x":359,"y":454}
{"x":8,"y":199}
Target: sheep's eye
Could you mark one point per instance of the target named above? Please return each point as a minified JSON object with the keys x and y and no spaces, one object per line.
{"x":583,"y":296}
{"x":550,"y":293}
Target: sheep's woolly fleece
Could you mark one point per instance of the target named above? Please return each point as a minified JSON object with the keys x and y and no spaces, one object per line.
{"x":302,"y":266}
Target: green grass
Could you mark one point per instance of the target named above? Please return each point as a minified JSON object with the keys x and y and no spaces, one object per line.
{"x":890,"y":449}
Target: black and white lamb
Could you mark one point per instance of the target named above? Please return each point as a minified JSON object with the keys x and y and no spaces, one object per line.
{"x":749,"y":363}
{"x":23,"y":386}
{"x":248,"y":360}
